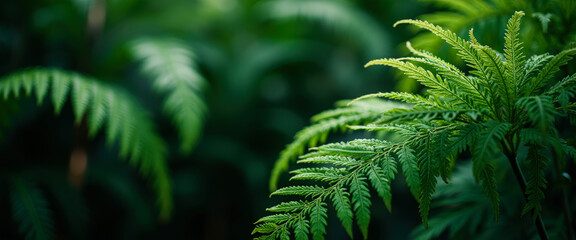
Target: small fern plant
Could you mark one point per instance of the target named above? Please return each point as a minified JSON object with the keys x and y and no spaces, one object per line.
{"x":506,"y":103}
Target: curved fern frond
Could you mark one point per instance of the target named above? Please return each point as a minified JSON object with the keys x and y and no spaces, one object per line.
{"x":361,"y":161}
{"x":540,"y":110}
{"x":427,"y":78}
{"x":548,"y":71}
{"x":126,"y":122}
{"x":171,"y":65}
{"x":326,"y":122}
{"x":30,"y":209}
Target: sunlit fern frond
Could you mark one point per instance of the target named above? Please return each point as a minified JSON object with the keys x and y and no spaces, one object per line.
{"x":331,"y":120}
{"x":30,"y":210}
{"x":127,"y":124}
{"x":170,"y":64}
{"x":353,"y":166}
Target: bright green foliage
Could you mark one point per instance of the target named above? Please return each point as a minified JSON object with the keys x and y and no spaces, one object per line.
{"x":332,"y":120}
{"x":171,"y":65}
{"x":127,"y":124}
{"x":30,"y":210}
{"x":503,"y":103}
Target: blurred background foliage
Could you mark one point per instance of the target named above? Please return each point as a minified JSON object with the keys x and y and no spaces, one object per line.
{"x":268,"y":64}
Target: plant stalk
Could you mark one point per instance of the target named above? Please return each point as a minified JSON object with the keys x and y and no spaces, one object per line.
{"x":522,"y":182}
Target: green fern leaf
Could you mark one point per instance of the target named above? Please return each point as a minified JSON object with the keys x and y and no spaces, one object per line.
{"x":444,"y":155}
{"x":301,"y":228}
{"x":548,"y":71}
{"x":427,"y":78}
{"x":532,"y":66}
{"x":513,"y":53}
{"x":539,"y":110}
{"x":341,"y":201}
{"x":428,"y":173}
{"x":315,"y":133}
{"x":483,"y":154}
{"x":334,"y":160}
{"x":409,"y":164}
{"x":536,"y":183}
{"x":276,"y":219}
{"x":292,"y":206}
{"x":318,"y":217}
{"x":81,"y":95}
{"x":361,"y":202}
{"x":265,"y":228}
{"x":381,"y":177}
{"x":30,"y":210}
{"x":170,"y":64}
{"x":110,"y":106}
{"x":464,"y":135}
{"x":305,"y":191}
{"x":449,"y":71}
{"x":319,"y":174}
{"x":60,"y":85}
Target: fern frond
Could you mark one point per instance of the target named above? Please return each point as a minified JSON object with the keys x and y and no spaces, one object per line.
{"x":343,"y":207}
{"x":548,"y":71}
{"x":464,"y":135}
{"x":536,"y":183}
{"x":452,"y":73}
{"x":30,"y":210}
{"x":483,"y":153}
{"x":539,"y":109}
{"x":428,"y":173}
{"x":566,"y":83}
{"x":362,"y":160}
{"x":324,"y":174}
{"x":305,"y":191}
{"x":381,"y":177}
{"x":361,"y":202}
{"x":171,"y":66}
{"x":127,"y":123}
{"x":532,"y":66}
{"x":356,"y":113}
{"x":427,"y":78}
{"x":513,"y":54}
{"x":409,"y":164}
{"x":318,"y":217}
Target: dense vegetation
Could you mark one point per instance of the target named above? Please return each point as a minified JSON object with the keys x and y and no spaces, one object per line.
{"x":162,"y":119}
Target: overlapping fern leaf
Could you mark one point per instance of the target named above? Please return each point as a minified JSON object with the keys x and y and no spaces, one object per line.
{"x":326,"y":122}
{"x":30,"y":210}
{"x":501,"y":104}
{"x":126,"y":123}
{"x":171,"y":65}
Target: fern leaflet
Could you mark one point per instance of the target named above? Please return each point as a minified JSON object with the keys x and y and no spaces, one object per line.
{"x":170,"y":64}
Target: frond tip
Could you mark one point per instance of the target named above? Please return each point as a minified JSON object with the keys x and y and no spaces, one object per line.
{"x":170,"y":64}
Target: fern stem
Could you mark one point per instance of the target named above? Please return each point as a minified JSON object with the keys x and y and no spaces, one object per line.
{"x":511,"y":155}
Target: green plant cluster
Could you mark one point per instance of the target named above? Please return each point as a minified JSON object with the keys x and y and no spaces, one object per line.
{"x":505,"y":103}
